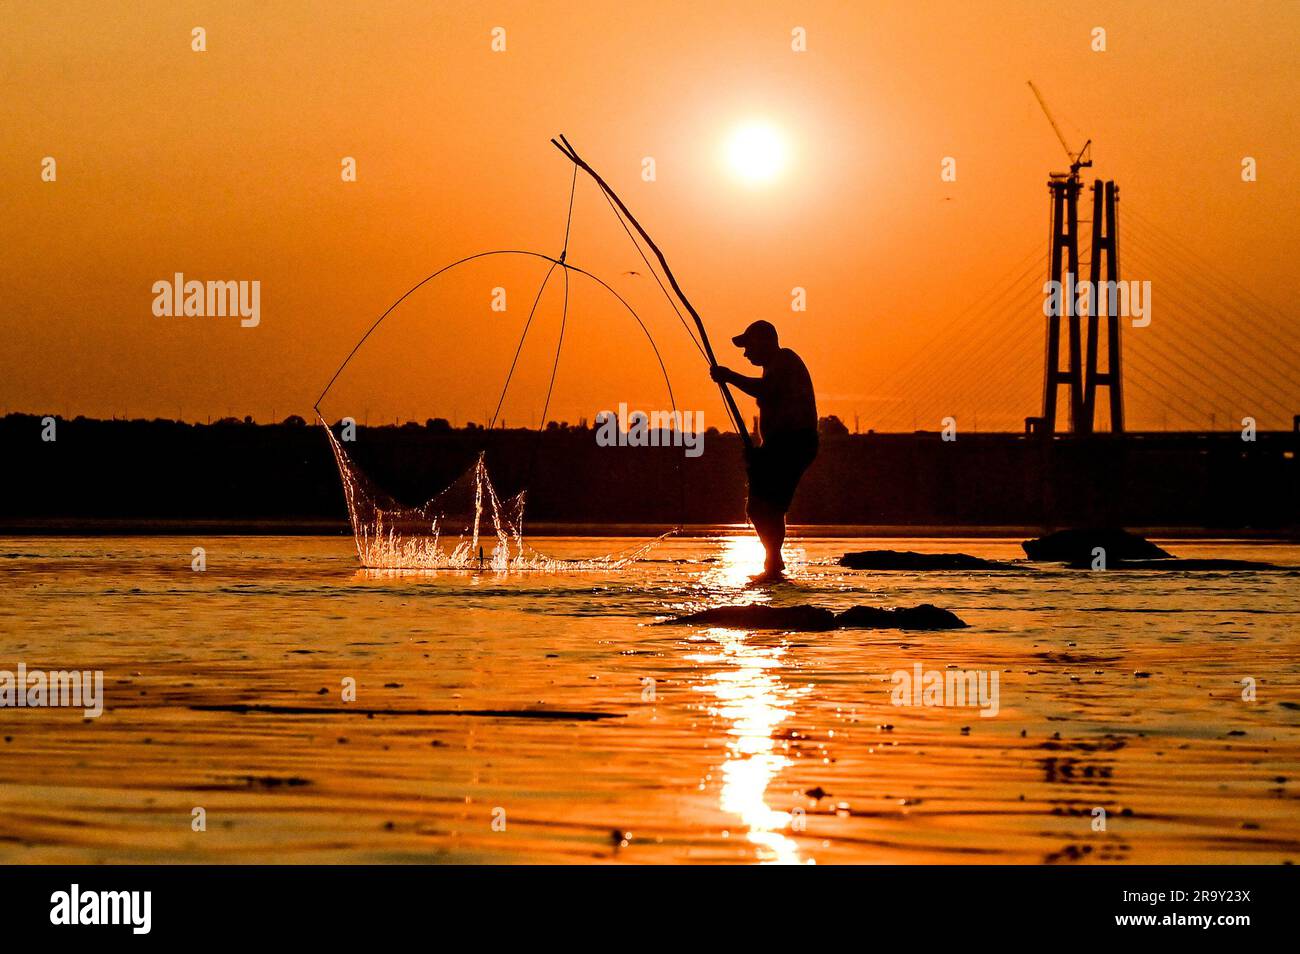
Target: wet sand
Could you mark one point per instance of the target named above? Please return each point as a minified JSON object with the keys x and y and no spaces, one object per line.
{"x":544,"y":718}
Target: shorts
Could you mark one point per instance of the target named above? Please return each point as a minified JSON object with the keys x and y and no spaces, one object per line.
{"x":776,"y":467}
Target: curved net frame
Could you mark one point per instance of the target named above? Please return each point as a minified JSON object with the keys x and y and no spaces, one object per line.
{"x":467,"y":525}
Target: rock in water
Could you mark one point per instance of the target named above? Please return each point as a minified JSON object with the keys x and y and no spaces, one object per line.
{"x":805,"y":618}
{"x":1071,"y":546}
{"x":925,"y":616}
{"x":909,"y":560}
{"x":802,"y":617}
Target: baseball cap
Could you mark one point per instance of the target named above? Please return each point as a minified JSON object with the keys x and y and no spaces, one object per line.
{"x":757,"y":333}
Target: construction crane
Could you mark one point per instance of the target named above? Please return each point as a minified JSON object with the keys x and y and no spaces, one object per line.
{"x":1065,"y":326}
{"x":1078,"y":160}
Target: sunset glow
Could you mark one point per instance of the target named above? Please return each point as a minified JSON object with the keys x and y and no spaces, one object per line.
{"x":533,"y":437}
{"x":337,"y":159}
{"x":756,"y":153}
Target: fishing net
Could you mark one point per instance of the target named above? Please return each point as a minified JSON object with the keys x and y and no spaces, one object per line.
{"x":467,"y":525}
{"x":448,"y":531}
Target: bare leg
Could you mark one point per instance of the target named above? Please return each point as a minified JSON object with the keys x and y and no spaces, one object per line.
{"x":770,"y":527}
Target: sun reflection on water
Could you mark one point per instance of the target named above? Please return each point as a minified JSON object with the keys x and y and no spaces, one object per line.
{"x":753,"y":697}
{"x":740,"y":558}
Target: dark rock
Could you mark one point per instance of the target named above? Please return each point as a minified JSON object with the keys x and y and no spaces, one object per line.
{"x":816,"y":619}
{"x":909,"y":560}
{"x":1076,"y":546}
{"x":924,"y":616}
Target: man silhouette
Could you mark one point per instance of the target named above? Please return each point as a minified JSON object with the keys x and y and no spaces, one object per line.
{"x":787,"y":429}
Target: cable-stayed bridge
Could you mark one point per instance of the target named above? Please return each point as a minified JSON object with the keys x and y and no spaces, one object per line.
{"x":1214,"y":353}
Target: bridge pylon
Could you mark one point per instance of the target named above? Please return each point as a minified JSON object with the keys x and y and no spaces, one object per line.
{"x":1081,"y":373}
{"x":1105,"y":296}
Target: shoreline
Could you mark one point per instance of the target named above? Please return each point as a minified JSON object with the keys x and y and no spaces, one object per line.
{"x":131,"y":527}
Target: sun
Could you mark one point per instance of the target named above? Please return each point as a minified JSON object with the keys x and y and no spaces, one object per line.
{"x":756,"y":152}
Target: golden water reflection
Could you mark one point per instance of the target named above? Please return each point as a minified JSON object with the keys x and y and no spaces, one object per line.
{"x":746,"y":681}
{"x":739,"y":559}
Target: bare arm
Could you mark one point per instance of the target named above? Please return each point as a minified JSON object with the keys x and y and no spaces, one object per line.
{"x":751,"y":386}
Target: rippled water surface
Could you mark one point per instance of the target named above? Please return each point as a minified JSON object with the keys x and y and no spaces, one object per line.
{"x":546,"y":718}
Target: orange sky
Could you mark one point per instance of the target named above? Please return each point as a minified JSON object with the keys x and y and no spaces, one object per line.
{"x":225,"y":165}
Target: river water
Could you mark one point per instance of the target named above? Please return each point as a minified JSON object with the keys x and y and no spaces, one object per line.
{"x":540,"y":717}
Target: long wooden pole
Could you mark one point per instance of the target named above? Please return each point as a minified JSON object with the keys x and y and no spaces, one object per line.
{"x":727,"y":398}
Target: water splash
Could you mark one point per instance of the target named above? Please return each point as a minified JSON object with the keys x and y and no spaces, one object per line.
{"x":453,"y":530}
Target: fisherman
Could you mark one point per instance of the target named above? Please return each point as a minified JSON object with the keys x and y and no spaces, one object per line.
{"x":787,"y":432}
